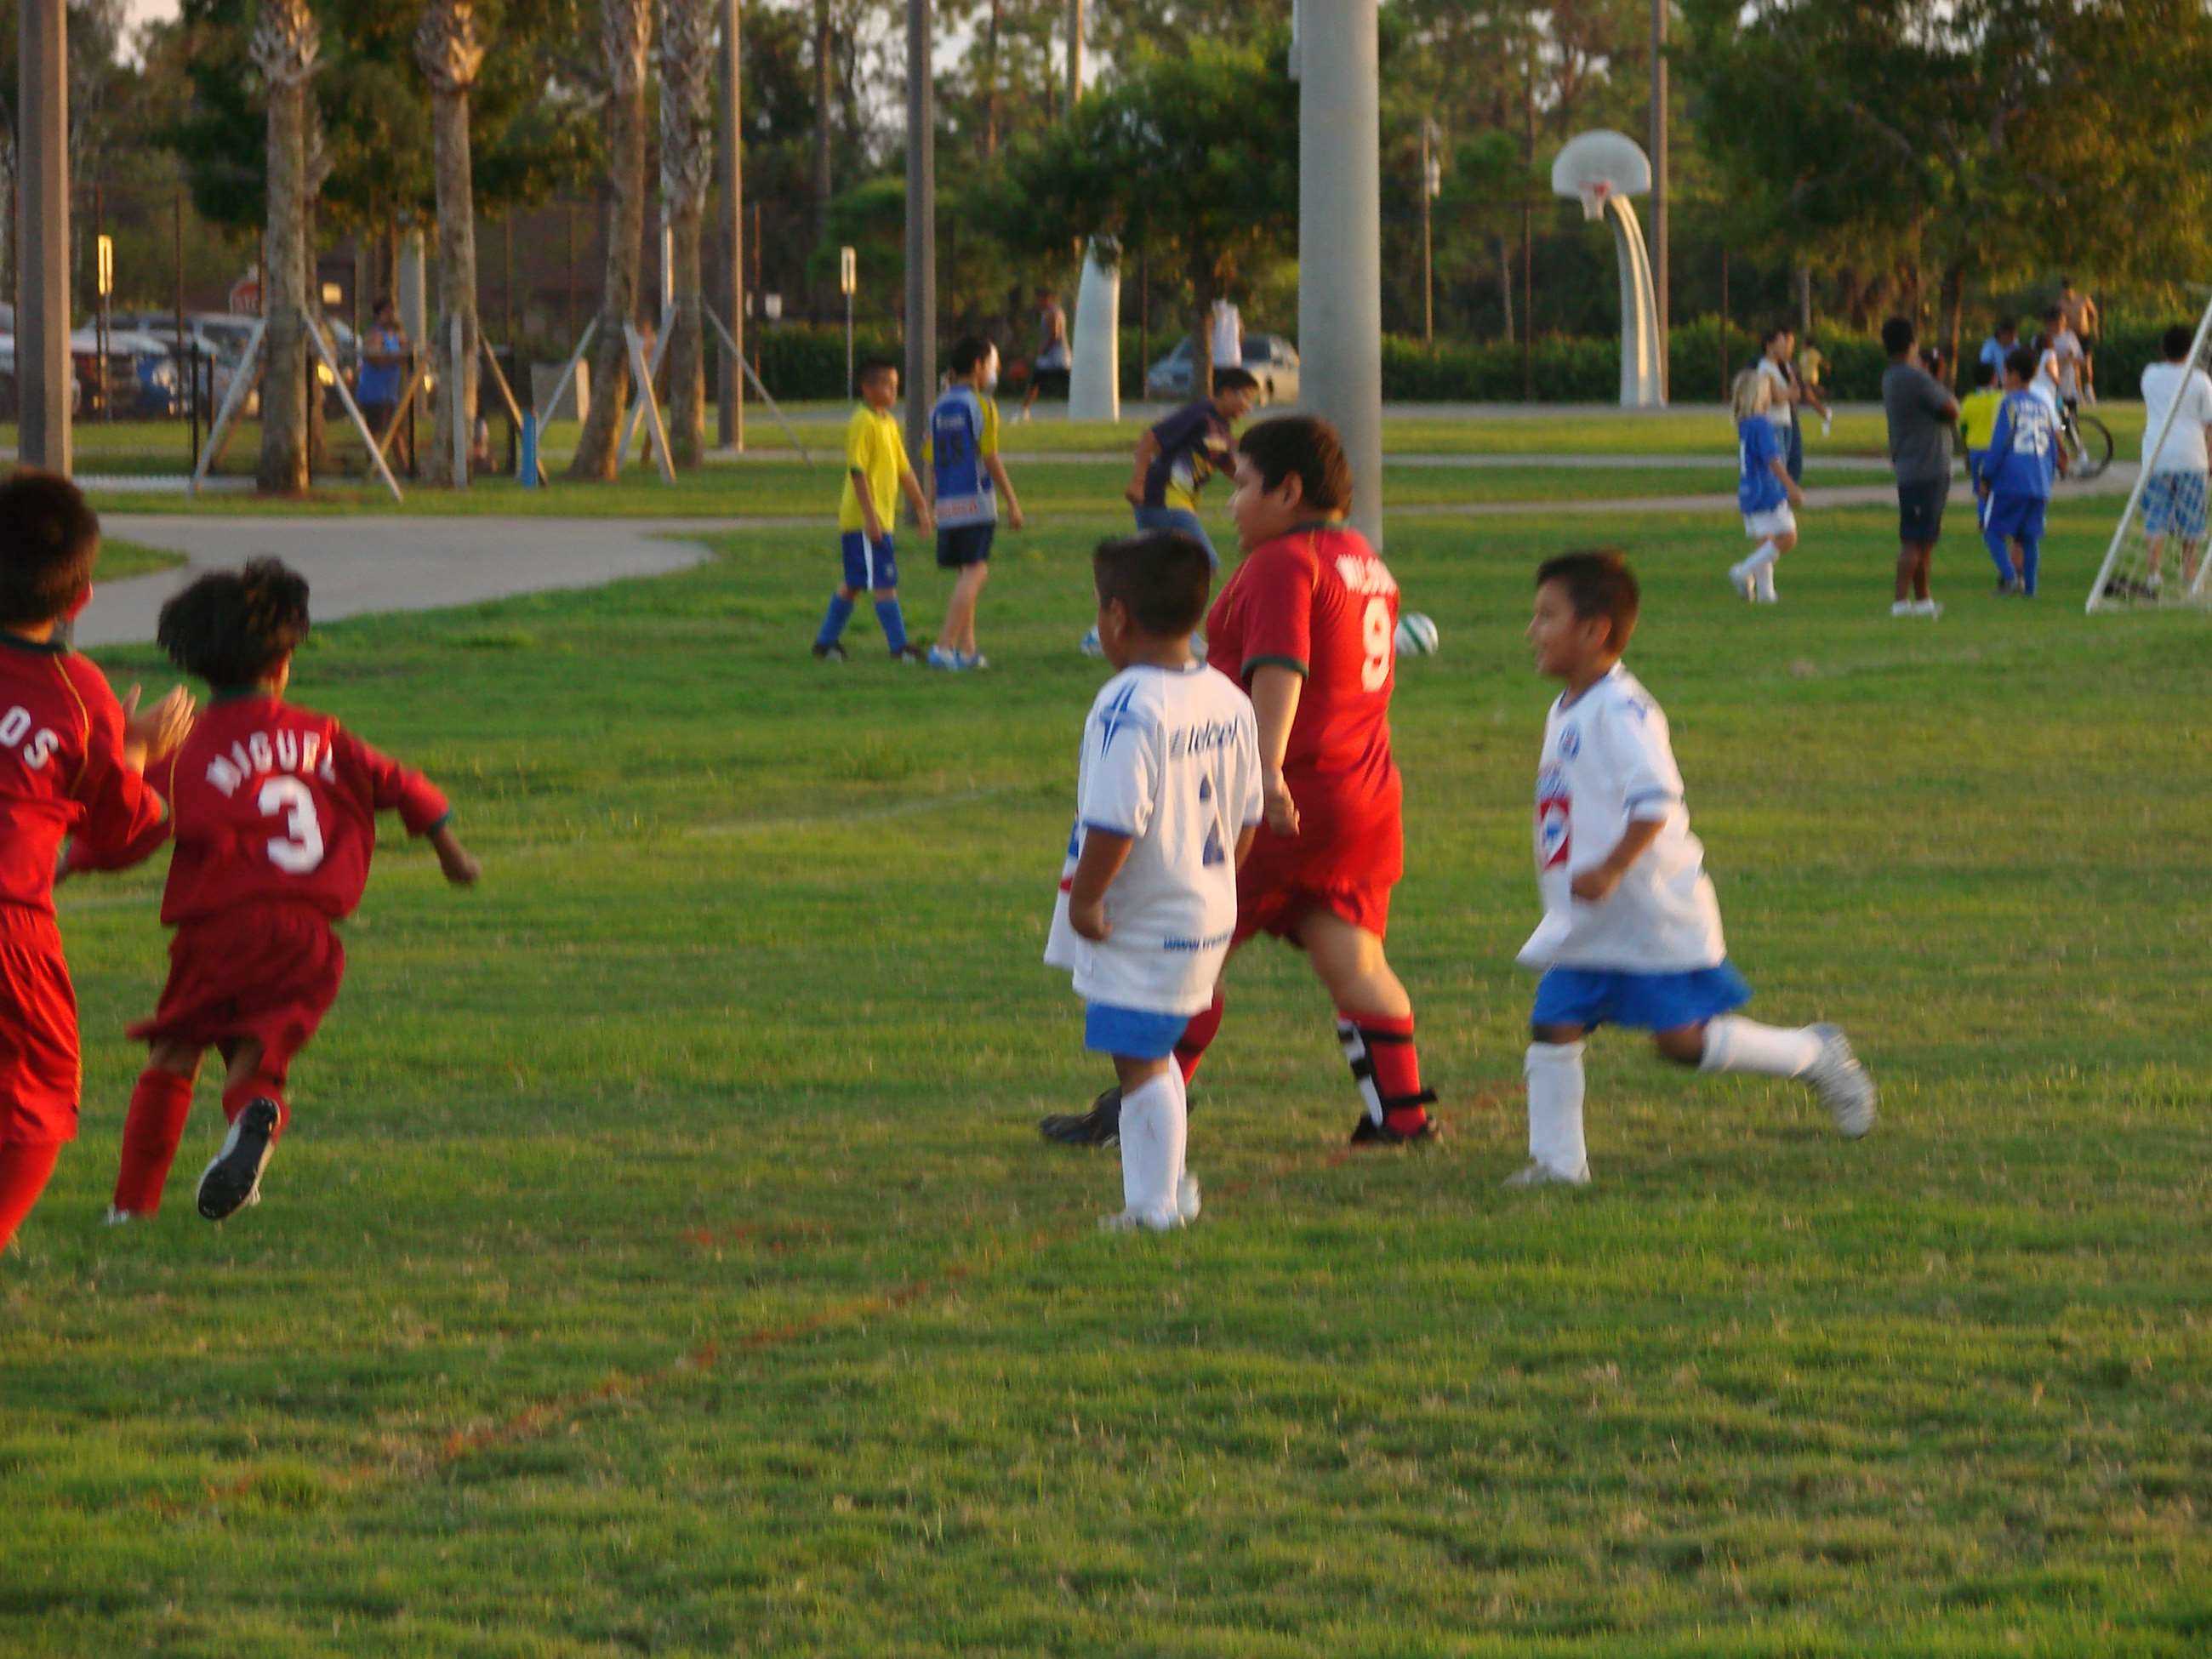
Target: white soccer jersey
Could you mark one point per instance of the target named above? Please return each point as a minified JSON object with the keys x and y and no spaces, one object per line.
{"x":1607,"y":761}
{"x":1171,"y":760}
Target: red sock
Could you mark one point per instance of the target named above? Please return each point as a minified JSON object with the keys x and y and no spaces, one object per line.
{"x":260,"y":1086}
{"x":1386,"y":1066}
{"x":24,"y":1167}
{"x":159,"y":1106}
{"x":1190,"y":1047}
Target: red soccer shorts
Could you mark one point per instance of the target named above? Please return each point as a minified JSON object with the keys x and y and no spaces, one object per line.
{"x":1282,"y":882}
{"x":40,"y":1080}
{"x":266,"y":972}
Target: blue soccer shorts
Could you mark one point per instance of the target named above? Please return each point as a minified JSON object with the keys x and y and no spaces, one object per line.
{"x":1649,"y":1002}
{"x":2014,"y":518}
{"x":868,"y":567}
{"x":1136,"y":1032}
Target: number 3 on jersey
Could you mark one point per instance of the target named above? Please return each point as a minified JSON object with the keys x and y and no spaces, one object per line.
{"x":1378,"y":635}
{"x":300,"y":849}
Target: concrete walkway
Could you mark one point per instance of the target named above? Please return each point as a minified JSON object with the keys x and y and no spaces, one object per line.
{"x":357,"y":566}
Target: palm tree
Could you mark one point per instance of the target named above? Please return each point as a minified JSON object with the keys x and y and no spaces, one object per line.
{"x":625,"y":42}
{"x":450,"y":52}
{"x":286,"y":45}
{"x":688,"y":36}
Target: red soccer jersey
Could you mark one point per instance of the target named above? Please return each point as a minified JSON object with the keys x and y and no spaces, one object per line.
{"x":1321,"y":601}
{"x":276,"y":802}
{"x":62,"y":772}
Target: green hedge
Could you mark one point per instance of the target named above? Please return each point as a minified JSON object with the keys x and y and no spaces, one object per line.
{"x":804,"y":359}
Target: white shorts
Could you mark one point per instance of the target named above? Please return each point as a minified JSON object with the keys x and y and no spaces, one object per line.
{"x":1775,"y":521}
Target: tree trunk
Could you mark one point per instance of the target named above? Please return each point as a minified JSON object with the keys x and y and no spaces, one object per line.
{"x":285,"y":48}
{"x":991,"y":96}
{"x":626,"y":36}
{"x":1201,"y":337}
{"x":1954,"y":306}
{"x":824,"y":87}
{"x":450,"y":52}
{"x":319,"y":425}
{"x":689,"y":31}
{"x":1505,"y":285}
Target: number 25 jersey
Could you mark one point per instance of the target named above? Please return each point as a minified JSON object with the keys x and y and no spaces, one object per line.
{"x":272,"y":801}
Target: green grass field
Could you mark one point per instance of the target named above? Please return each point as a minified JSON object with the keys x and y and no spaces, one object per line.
{"x":663,"y":1260}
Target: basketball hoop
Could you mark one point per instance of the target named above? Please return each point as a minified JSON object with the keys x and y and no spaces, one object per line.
{"x":1598,"y":165}
{"x":1603,"y":170}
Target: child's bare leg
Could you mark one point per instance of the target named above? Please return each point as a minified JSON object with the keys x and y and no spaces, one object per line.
{"x":160,"y":1104}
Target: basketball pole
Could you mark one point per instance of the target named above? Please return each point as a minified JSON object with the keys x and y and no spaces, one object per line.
{"x":1340,"y":238}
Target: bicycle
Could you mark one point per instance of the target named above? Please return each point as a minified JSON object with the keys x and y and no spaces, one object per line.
{"x":2088,"y":442}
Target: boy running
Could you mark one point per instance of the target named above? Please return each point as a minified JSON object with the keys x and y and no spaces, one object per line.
{"x":276,"y":822}
{"x":2025,"y":455}
{"x":1175,"y":457}
{"x":1764,"y":492}
{"x":875,"y":473}
{"x":1166,"y":806}
{"x":70,"y":759}
{"x":1631,"y":930}
{"x":1306,"y":625}
{"x":965,"y":478}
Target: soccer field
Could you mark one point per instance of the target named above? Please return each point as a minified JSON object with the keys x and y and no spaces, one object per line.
{"x":663,"y":1260}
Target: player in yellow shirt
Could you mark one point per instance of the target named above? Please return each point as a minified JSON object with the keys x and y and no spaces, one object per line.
{"x":1978,"y":424}
{"x":876,"y":470}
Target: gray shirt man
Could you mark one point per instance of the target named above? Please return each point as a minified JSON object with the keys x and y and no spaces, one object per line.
{"x":1920,"y":414}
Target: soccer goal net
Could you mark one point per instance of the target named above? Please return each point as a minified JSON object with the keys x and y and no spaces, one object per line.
{"x":2157,"y":555}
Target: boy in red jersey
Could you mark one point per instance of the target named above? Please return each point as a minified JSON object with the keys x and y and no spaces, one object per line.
{"x":1308,"y":625}
{"x":70,"y":756}
{"x":275,"y":811}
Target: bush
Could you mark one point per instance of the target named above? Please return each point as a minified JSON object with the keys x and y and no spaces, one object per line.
{"x":806,"y":360}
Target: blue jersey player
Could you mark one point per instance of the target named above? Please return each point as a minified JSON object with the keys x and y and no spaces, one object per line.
{"x":965,"y":479}
{"x":2024,"y":458}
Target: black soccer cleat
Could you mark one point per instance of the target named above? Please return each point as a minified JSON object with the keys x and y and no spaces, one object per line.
{"x":1370,"y":1132}
{"x":233,"y":1180}
{"x":1099,"y":1127}
{"x":832,"y":652}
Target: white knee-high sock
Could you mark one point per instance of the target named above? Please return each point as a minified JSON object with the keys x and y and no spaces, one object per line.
{"x":1760,"y":558}
{"x":1766,"y":579}
{"x":1735,"y":1045}
{"x":1153,"y":1128}
{"x":1555,"y":1109}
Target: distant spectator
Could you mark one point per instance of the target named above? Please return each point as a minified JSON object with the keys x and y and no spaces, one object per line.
{"x":1054,"y":359}
{"x":1995,"y":350}
{"x":2082,"y":316}
{"x":383,"y":362}
{"x":1921,"y":416}
{"x":2178,"y":403}
{"x":1785,"y":391}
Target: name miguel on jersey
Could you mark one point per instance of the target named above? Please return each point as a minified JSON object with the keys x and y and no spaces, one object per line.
{"x":262,"y":752}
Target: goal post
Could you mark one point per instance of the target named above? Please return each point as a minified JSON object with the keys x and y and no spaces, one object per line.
{"x":2159,"y":554}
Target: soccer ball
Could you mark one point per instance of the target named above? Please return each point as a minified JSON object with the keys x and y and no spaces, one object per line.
{"x":1417,"y":635}
{"x":1089,"y":646}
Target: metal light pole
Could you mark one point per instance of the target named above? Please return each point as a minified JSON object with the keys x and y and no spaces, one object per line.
{"x":1659,"y":281}
{"x":920,"y":225}
{"x":1074,"y":53}
{"x":1340,"y":238}
{"x":42,"y":236}
{"x":730,"y":424}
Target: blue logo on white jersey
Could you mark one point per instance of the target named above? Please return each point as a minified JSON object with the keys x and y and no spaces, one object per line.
{"x":1114,"y":718}
{"x":1571,"y":742}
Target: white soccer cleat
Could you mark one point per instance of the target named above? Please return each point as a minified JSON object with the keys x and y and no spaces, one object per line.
{"x":1543,"y":1174}
{"x":1927,"y":608}
{"x":1903,"y":608}
{"x":120,"y":1217}
{"x":1186,"y":1205}
{"x":1132,"y":1221}
{"x":1743,"y":584}
{"x":1845,"y":1087}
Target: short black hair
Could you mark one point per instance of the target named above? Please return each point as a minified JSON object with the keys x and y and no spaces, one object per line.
{"x":2020,"y":360}
{"x":2006,"y":325}
{"x":1985,"y":373}
{"x":968,"y":352}
{"x":1775,"y":332}
{"x":1235,"y":379}
{"x":1599,"y":583}
{"x":1162,"y":576}
{"x":233,"y":626}
{"x":872,"y":367}
{"x":2054,"y":314}
{"x":49,"y":536}
{"x":1308,"y":446}
{"x":1897,"y":335}
{"x":2176,"y":341}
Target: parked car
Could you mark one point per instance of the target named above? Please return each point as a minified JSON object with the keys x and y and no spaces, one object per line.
{"x":1272,"y":361}
{"x":136,"y":379}
{"x":9,"y":410}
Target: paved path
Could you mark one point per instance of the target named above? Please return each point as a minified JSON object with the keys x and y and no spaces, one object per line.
{"x":367,"y":564}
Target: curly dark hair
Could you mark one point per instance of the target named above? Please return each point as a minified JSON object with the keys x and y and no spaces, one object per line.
{"x":232,"y":627}
{"x":48,"y":539}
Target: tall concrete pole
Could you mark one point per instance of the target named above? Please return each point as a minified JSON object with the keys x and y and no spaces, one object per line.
{"x":42,"y":237}
{"x":1659,"y":279}
{"x":920,"y":225}
{"x":1340,"y":238}
{"x":1074,"y":53}
{"x":729,"y":297}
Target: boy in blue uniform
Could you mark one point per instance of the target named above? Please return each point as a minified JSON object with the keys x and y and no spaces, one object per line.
{"x":1764,"y":492}
{"x":966,"y":478}
{"x":875,"y":473}
{"x":1977,"y":423}
{"x":2024,"y":458}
